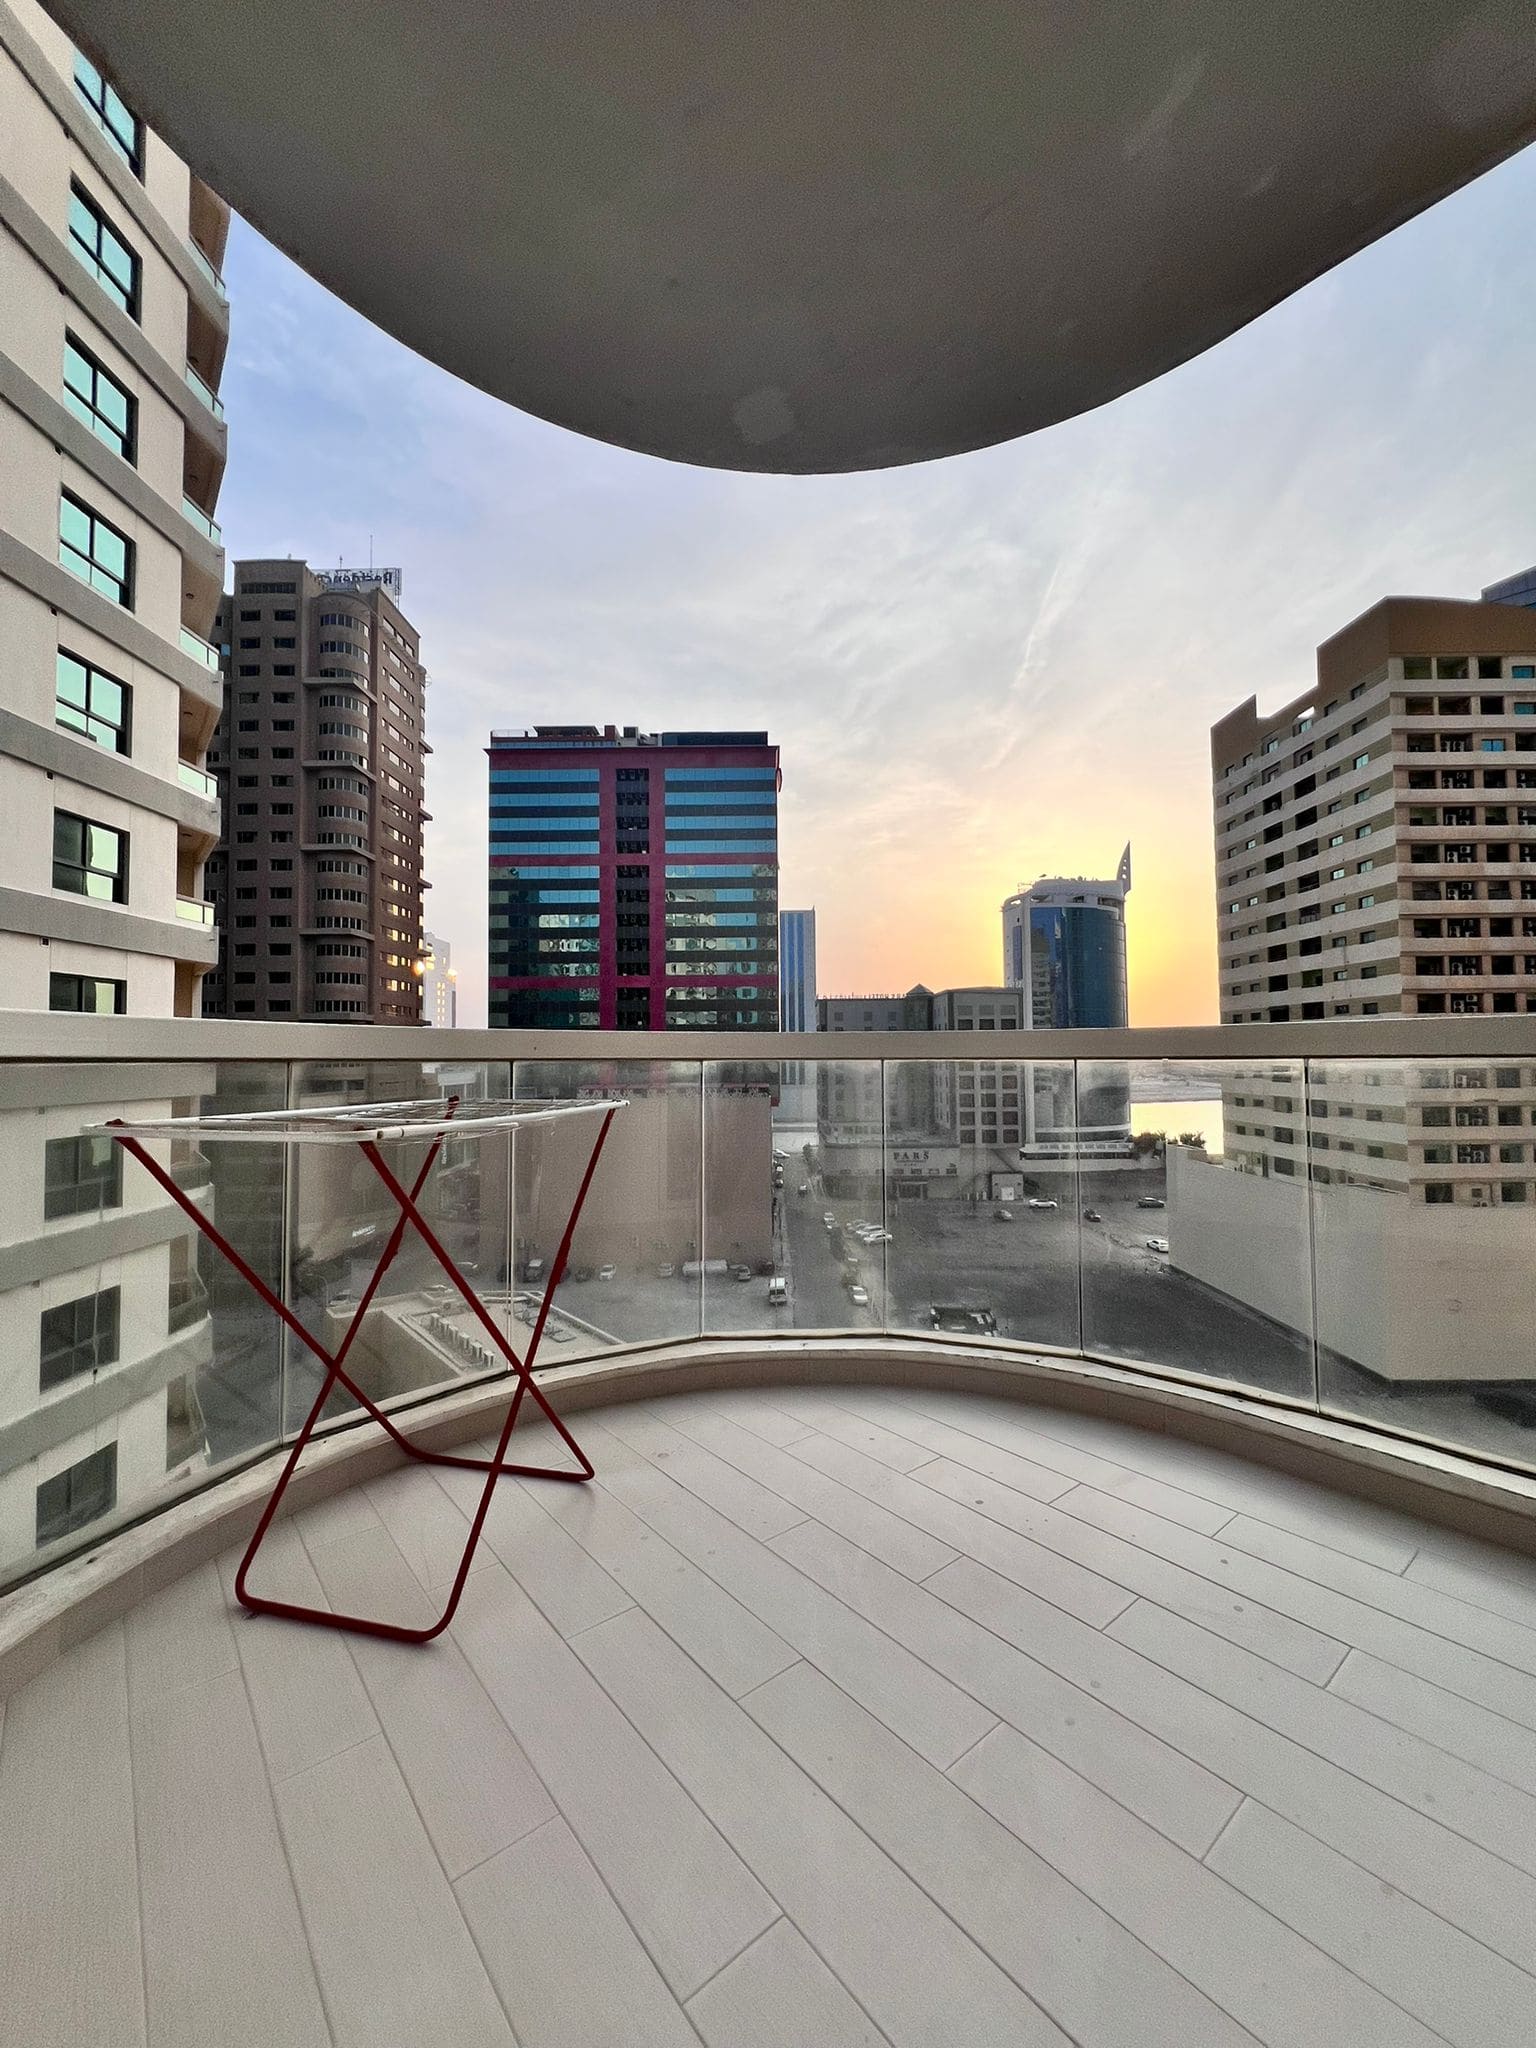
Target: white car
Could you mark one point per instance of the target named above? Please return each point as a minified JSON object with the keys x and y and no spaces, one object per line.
{"x":609,"y":1272}
{"x":1157,"y":1244}
{"x":1036,"y":1203}
{"x":859,"y":1296}
{"x":828,"y":1218}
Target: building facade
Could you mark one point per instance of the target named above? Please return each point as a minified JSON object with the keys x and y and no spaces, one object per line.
{"x":318,"y":882}
{"x":1064,"y":946}
{"x":439,"y":984}
{"x":113,"y":328}
{"x":797,"y":970}
{"x":633,"y":879}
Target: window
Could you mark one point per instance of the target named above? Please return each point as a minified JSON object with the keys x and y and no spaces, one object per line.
{"x":80,"y":1174}
{"x":79,"y":1336}
{"x":94,"y":396}
{"x":86,"y":993}
{"x":95,"y":551}
{"x":1361,"y":761}
{"x":103,"y":252}
{"x":91,"y":703}
{"x":114,"y":117}
{"x":89,"y":859}
{"x":82,"y":1494}
{"x":1492,"y":746}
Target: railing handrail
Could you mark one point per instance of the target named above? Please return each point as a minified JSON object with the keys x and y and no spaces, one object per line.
{"x":46,"y":1035}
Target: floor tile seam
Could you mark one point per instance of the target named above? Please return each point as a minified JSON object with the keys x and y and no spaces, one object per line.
{"x":400,"y":1762}
{"x":1069,"y":1480}
{"x":1136,"y":1471}
{"x":138,"y":1709}
{"x":715,"y":1829}
{"x":672,"y":1551}
{"x":1435,"y":1592}
{"x":1245,"y":1799}
{"x":1032,"y":1850}
{"x":1516,"y":1728}
{"x":1355,"y":1601}
{"x":1374,"y":1878}
{"x":1035,"y":1431}
{"x":800,"y":1654}
{"x":138,"y":1846}
{"x":1512,"y":1584}
{"x":788,"y":1920}
{"x":1332,"y":1763}
{"x":782,"y":1919}
{"x":1323,"y":1635}
{"x":724,"y":1458}
{"x":1084,"y":1692}
{"x":891,"y":1858}
{"x":448,"y":1883}
{"x":653,"y":1465}
{"x":281,"y":1833}
{"x":1218,"y":1877}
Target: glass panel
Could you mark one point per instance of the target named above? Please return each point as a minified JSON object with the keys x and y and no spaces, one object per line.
{"x":417,"y":1334}
{"x":980,"y":1181}
{"x":71,"y":680}
{"x":765,"y":1266}
{"x":633,"y":1276}
{"x":1195,"y":1249}
{"x":75,"y":526}
{"x":1426,"y":1250}
{"x":116,"y":1303}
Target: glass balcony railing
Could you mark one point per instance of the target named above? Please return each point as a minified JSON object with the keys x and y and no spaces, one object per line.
{"x":206,"y":267}
{"x":205,"y":392}
{"x":198,"y":780}
{"x":1352,"y":1236}
{"x":193,"y":910}
{"x":199,"y":649}
{"x":199,"y":518}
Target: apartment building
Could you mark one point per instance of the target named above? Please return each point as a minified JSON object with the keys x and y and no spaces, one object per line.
{"x":1064,"y":945}
{"x":439,"y":983}
{"x":633,"y":879}
{"x":1376,"y":854}
{"x":113,"y":327}
{"x":318,"y":883}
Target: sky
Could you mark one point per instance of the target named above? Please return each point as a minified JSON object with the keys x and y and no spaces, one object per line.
{"x":977,"y":671}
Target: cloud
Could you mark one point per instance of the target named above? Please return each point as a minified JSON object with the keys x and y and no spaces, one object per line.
{"x":977,"y":670}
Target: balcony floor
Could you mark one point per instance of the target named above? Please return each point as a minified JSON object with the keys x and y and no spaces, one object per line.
{"x":825,"y":1717}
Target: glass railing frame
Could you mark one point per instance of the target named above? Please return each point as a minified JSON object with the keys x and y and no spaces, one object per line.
{"x":1455,"y":1042}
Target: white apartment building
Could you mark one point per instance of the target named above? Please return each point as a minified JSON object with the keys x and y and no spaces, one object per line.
{"x":439,"y":983}
{"x":113,"y":327}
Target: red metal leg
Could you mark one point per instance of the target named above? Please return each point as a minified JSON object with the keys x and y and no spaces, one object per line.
{"x":409,"y":1217}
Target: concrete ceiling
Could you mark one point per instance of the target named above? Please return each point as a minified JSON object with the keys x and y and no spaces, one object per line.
{"x":778,"y":235}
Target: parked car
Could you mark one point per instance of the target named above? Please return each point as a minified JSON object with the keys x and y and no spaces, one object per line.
{"x":828,"y":1218}
{"x":1092,"y":1216}
{"x":804,"y":1188}
{"x":880,"y":1237}
{"x":1150,"y":1202}
{"x":1157,"y":1244}
{"x":962,"y":1322}
{"x":859,"y":1296}
{"x":1035,"y":1202}
{"x":665,"y":1272}
{"x":741,"y":1272}
{"x":778,"y":1292}
{"x":1003,"y":1215}
{"x":578,"y":1272}
{"x":608,"y":1272}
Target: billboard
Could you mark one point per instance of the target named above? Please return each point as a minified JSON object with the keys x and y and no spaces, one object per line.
{"x":390,"y":580}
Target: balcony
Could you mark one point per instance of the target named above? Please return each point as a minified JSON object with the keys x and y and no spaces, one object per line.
{"x":199,"y":649}
{"x":198,"y":780}
{"x":206,"y":267}
{"x":197,"y":517}
{"x":194,"y":910}
{"x":1067,"y":1641}
{"x":205,"y":392}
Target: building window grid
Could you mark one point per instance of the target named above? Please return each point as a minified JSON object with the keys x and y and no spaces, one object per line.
{"x":103,"y":252}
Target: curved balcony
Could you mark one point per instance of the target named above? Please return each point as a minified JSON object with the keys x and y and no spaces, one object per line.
{"x":1070,"y":1640}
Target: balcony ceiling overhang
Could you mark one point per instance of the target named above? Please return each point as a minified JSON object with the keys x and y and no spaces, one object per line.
{"x":760,"y":235}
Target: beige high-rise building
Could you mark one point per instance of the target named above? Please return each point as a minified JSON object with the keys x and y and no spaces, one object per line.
{"x":1376,"y":854}
{"x":113,"y":326}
